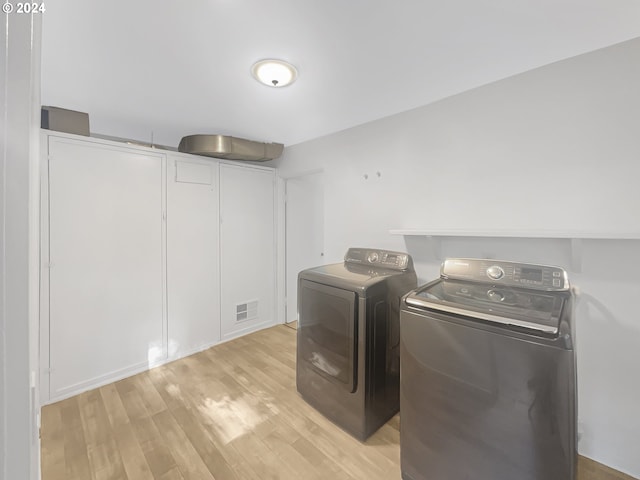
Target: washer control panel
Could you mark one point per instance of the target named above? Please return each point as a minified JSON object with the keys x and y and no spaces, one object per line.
{"x":379,"y":258}
{"x":513,"y":274}
{"x":496,"y":272}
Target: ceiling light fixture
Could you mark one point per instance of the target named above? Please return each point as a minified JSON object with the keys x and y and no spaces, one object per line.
{"x":274,"y":73}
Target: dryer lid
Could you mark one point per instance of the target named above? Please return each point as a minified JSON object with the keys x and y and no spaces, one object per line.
{"x":357,"y":278}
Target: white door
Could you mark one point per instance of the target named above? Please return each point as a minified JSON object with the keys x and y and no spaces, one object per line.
{"x":247,"y":249}
{"x":193,"y":288}
{"x":304,"y":232}
{"x":106,"y":253}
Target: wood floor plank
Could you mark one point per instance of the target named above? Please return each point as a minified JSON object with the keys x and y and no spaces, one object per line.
{"x":168,"y":386}
{"x":178,"y":399}
{"x":203,"y":443}
{"x":255,"y":453}
{"x":279,"y":465}
{"x":246,"y":472}
{"x":131,"y":400}
{"x":191,"y":465}
{"x":52,"y":451}
{"x":282,"y":444}
{"x":93,"y":415}
{"x":157,"y":453}
{"x":153,"y":402}
{"x":173,"y":474}
{"x":102,"y":450}
{"x":591,"y":470}
{"x":105,"y":461}
{"x":75,"y":445}
{"x":113,"y":405}
{"x":231,"y":412}
{"x":133,"y":458}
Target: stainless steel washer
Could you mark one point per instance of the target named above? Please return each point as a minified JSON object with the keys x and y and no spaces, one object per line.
{"x":488,"y":384}
{"x":348,"y":363}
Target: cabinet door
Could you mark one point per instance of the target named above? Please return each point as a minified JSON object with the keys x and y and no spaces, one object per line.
{"x":106,"y":250}
{"x":247,"y":249}
{"x":192,"y":255}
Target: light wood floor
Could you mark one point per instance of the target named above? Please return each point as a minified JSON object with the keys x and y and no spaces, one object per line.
{"x":230,"y":412}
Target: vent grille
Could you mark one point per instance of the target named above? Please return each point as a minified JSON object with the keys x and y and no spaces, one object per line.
{"x":247,"y":311}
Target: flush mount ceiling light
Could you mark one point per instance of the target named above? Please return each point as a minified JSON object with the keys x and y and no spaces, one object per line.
{"x":274,"y":73}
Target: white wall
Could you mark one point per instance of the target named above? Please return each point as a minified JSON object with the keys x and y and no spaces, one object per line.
{"x":20,"y":117}
{"x":556,"y":150}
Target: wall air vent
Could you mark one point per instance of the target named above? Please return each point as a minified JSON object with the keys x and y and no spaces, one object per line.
{"x":247,"y":311}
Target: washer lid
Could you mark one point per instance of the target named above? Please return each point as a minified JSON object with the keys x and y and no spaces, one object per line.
{"x":533,"y":310}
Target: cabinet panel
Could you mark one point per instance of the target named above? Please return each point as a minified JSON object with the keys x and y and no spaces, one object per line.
{"x":133,"y":253}
{"x":247,"y":249}
{"x":192,"y":255}
{"x":106,"y":249}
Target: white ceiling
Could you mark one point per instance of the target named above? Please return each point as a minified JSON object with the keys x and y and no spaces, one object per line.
{"x":177,"y":68}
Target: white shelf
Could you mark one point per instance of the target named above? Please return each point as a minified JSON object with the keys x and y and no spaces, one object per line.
{"x":574,"y":237}
{"x":517,"y":234}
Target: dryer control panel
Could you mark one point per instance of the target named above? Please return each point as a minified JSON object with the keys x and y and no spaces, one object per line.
{"x":379,"y":258}
{"x":513,"y":274}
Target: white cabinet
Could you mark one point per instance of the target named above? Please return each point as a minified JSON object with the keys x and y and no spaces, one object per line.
{"x":106,"y":269}
{"x":147,"y":256}
{"x":247,"y":249}
{"x":193,"y":286}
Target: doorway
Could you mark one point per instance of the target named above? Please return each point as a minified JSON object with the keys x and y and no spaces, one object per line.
{"x":304,"y":237}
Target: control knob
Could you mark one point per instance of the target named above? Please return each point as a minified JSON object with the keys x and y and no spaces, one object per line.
{"x":373,"y":257}
{"x":495,"y":296}
{"x":495,"y":272}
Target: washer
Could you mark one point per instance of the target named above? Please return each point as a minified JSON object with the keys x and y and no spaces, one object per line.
{"x":488,"y":385}
{"x":348,"y":363}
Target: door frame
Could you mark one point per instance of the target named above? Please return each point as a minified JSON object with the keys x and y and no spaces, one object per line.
{"x":282,"y":192}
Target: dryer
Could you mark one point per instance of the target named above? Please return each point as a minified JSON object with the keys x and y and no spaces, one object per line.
{"x":348,"y":364}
